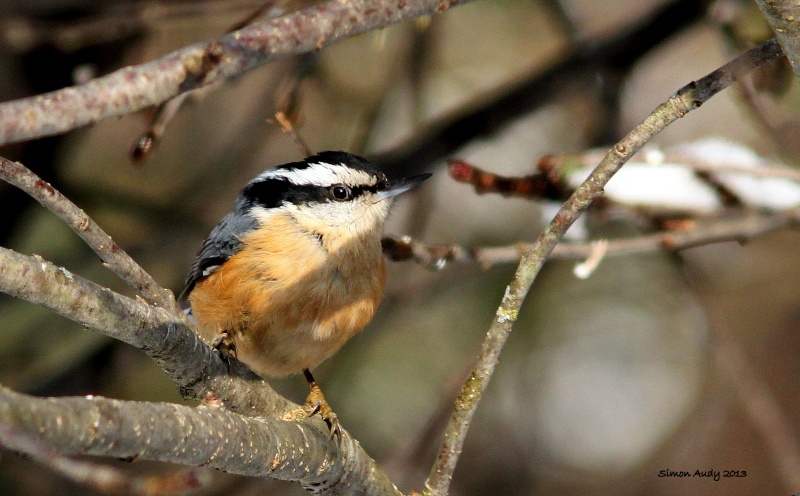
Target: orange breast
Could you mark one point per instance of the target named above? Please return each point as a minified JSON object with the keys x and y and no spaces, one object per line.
{"x":288,"y":300}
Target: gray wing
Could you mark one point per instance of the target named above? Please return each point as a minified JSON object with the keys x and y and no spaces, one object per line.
{"x":223,"y":243}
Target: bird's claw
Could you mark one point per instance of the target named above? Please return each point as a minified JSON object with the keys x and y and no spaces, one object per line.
{"x":316,"y":404}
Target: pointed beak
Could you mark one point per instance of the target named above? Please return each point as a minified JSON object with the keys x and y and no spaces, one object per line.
{"x":394,"y":188}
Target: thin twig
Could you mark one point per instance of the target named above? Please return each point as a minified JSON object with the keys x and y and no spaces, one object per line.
{"x":689,"y":97}
{"x":98,"y":240}
{"x":133,"y":88}
{"x":286,"y":125}
{"x":548,"y":183}
{"x":551,"y":181}
{"x":699,"y":233}
{"x":146,"y":144}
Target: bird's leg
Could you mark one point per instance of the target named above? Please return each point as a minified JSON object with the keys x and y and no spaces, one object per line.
{"x":225,"y":346}
{"x":315,"y":403}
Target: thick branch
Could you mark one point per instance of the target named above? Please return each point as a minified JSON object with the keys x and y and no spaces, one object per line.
{"x":133,"y":88}
{"x":203,"y":436}
{"x":196,"y":368}
{"x":784,"y":18}
{"x":109,"y":252}
{"x":686,"y":99}
{"x":102,"y":478}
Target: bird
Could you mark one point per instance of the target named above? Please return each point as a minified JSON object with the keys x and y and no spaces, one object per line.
{"x":296,"y":269}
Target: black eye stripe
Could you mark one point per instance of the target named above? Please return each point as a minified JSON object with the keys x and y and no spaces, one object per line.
{"x":272,"y":193}
{"x":360,"y":190}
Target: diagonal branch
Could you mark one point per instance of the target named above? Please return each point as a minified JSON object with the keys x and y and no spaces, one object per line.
{"x":688,"y":98}
{"x":133,"y":88}
{"x":204,"y":436}
{"x":98,"y":240}
{"x":197,"y":369}
{"x":783,"y":17}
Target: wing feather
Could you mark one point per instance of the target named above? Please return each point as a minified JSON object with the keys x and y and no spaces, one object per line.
{"x":223,"y":243}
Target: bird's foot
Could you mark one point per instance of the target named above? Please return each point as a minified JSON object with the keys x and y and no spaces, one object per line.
{"x":225,"y":346}
{"x":316,"y":404}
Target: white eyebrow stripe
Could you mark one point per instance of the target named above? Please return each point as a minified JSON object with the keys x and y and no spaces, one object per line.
{"x":320,"y":174}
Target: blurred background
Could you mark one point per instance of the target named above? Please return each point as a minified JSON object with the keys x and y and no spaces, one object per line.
{"x":656,"y":362}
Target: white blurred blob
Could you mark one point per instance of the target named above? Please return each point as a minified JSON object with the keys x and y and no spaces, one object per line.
{"x":667,"y":181}
{"x":766,"y":192}
{"x":615,"y":366}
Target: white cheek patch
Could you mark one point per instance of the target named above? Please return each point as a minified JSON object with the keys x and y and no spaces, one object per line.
{"x":319,"y":174}
{"x":261,"y":214}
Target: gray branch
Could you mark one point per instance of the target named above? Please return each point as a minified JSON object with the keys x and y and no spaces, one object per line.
{"x":133,"y":88}
{"x":686,"y":99}
{"x":784,"y":18}
{"x":203,"y":436}
{"x":740,"y":228}
{"x":98,"y":240}
{"x":215,"y":436}
{"x":197,"y":369}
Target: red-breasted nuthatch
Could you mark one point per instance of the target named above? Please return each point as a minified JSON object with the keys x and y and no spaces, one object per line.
{"x":296,"y":269}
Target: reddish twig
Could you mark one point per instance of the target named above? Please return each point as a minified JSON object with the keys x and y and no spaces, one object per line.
{"x":547,"y":184}
{"x":147,"y":142}
{"x":287,"y":127}
{"x":552,"y":182}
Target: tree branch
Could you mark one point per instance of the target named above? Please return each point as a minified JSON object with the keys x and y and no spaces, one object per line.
{"x":784,"y":19}
{"x":197,"y":369}
{"x":102,"y":478}
{"x":688,"y":98}
{"x":699,"y":233}
{"x":133,"y":88}
{"x":204,"y":436}
{"x":101,"y":243}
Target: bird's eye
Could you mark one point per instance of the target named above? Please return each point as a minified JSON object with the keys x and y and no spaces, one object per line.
{"x":340,"y":192}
